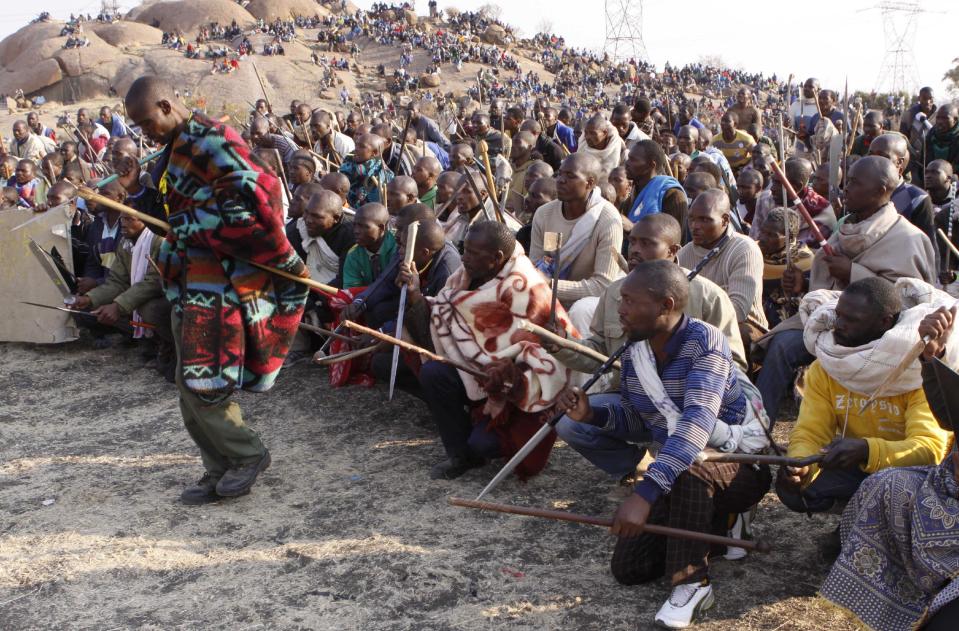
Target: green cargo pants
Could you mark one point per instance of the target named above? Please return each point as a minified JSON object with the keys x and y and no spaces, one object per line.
{"x":217,"y":426}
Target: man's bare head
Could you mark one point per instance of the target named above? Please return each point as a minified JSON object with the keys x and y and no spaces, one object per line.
{"x":152,"y":104}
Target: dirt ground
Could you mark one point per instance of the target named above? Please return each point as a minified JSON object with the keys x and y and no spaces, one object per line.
{"x":344,"y":531}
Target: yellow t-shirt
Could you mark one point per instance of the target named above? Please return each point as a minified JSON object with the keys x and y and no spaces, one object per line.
{"x":900,"y":430}
{"x":737,"y":151}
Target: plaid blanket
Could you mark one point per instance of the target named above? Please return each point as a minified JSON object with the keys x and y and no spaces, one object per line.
{"x":237,"y":321}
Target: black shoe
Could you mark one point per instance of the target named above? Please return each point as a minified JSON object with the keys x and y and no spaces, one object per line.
{"x":453,"y":468}
{"x":203,"y":492}
{"x":237,"y":482}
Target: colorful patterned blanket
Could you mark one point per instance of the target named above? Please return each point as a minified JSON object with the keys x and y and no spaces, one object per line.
{"x":900,"y":555}
{"x":224,"y":210}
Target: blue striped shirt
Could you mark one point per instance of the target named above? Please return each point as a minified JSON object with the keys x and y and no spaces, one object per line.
{"x":700,"y":378}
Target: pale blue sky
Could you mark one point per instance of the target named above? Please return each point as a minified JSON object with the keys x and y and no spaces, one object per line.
{"x":834,"y":39}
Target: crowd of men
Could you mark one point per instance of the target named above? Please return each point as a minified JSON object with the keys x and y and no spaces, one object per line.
{"x":731,"y":270}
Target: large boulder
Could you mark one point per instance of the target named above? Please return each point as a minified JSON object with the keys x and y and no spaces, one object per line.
{"x":410,"y":17}
{"x":34,"y":78}
{"x":270,"y":10}
{"x":429,"y":80}
{"x":26,"y":41}
{"x":187,"y":16}
{"x":79,"y":61}
{"x":494,"y":34}
{"x":128,"y":34}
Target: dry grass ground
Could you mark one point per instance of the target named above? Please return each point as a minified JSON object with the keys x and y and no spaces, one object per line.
{"x":345,"y":531}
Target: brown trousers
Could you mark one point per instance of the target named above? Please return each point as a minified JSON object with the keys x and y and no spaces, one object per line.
{"x":701,"y":499}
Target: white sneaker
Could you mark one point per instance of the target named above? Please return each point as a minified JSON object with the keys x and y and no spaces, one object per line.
{"x":739,"y":530}
{"x":685,"y":603}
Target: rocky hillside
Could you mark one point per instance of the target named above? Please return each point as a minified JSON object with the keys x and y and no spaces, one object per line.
{"x":35,"y":60}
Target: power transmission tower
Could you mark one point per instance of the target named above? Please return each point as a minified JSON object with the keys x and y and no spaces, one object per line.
{"x":898,"y":72}
{"x":624,"y":30}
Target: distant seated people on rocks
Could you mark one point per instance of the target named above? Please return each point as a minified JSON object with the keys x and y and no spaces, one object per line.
{"x":851,"y":337}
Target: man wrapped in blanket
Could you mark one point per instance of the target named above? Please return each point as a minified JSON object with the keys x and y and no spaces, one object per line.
{"x":474,"y":319}
{"x":232,"y":322}
{"x":858,"y":339}
{"x":899,"y":563}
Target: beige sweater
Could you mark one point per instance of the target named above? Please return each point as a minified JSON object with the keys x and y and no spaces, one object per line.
{"x":595,"y":267}
{"x":738,"y":269}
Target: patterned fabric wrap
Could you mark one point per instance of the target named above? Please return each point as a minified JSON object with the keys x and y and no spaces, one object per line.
{"x":861,"y":369}
{"x":362,"y":188}
{"x":477,"y":327}
{"x":900,"y":548}
{"x":238,"y":321}
{"x":355,"y":372}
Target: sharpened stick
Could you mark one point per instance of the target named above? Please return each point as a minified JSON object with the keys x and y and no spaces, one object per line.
{"x":345,"y":356}
{"x":92,"y":196}
{"x":605,"y":522}
{"x":572,"y":345}
{"x":414,"y":348}
{"x":947,"y":242}
{"x":784,"y":461}
{"x":333,"y":334}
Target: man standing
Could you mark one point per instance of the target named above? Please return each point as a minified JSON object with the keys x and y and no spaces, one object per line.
{"x":232,"y":323}
{"x":746,"y":113}
{"x":679,"y":385}
{"x":426,"y":128}
{"x":914,"y":125}
{"x":735,"y":144}
{"x":942,"y":141}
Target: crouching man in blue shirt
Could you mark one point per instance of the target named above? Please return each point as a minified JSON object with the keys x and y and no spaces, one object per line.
{"x":679,"y":384}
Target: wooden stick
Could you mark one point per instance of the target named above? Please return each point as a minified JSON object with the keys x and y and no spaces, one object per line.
{"x":92,"y":196}
{"x":326,"y":289}
{"x":346,"y":356}
{"x":490,"y":182}
{"x":784,"y":461}
{"x":336,"y":336}
{"x":282,"y":174}
{"x":269,"y":106}
{"x":798,"y":205}
{"x":947,"y":242}
{"x":572,"y":345}
{"x":414,"y":348}
{"x":653,"y":529}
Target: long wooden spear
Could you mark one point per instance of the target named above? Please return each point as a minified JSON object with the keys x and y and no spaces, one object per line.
{"x":572,"y":345}
{"x":476,"y":372}
{"x":92,"y":196}
{"x":798,"y":205}
{"x":605,"y":522}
